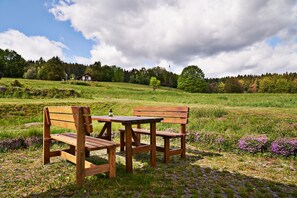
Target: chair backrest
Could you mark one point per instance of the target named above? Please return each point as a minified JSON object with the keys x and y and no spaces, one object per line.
{"x":69,"y":117}
{"x":172,"y":115}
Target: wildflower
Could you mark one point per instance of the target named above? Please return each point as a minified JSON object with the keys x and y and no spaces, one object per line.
{"x":253,"y":144}
{"x":284,"y":146}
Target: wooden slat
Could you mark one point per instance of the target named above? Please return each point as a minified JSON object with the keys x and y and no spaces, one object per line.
{"x":162,"y":108}
{"x":175,"y":120}
{"x":62,"y":124}
{"x":158,"y":133}
{"x":65,"y":139}
{"x":62,"y":117}
{"x":96,"y":169}
{"x":142,"y":148}
{"x":175,"y":151}
{"x":163,"y":114}
{"x":91,"y":142}
{"x":88,"y":119}
{"x":61,"y":109}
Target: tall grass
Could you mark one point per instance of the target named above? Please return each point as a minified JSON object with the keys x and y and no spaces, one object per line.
{"x":228,"y":115}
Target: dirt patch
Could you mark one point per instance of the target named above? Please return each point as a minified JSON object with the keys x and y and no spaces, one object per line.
{"x":19,"y":143}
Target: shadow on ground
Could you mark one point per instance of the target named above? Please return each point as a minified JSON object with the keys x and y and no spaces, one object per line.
{"x":179,"y":178}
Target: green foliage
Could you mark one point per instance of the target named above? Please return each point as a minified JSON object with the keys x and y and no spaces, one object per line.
{"x":154,"y":83}
{"x":192,"y":80}
{"x":232,"y":85}
{"x":53,"y":69}
{"x":12,"y":64}
{"x":30,"y":73}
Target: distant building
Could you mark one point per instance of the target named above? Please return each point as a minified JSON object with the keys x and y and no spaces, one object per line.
{"x":85,"y":77}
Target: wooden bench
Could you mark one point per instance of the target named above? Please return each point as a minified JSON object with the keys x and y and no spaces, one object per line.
{"x":77,"y":119}
{"x":172,"y":115}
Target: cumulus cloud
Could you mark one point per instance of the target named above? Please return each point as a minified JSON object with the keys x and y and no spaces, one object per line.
{"x":131,"y":32}
{"x":30,"y":47}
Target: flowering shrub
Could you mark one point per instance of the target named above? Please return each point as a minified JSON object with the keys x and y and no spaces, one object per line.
{"x":284,"y":146}
{"x":253,"y":144}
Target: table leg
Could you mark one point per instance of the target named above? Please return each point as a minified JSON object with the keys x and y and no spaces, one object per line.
{"x":129,"y":151}
{"x":108,"y":130}
{"x":153,"y":144}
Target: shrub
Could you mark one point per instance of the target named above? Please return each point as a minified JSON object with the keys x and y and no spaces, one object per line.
{"x":253,"y":144}
{"x":284,"y":146}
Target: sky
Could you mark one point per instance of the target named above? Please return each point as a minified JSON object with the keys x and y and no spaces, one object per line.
{"x":223,"y":38}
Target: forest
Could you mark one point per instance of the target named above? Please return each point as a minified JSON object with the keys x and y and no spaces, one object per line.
{"x":192,"y":79}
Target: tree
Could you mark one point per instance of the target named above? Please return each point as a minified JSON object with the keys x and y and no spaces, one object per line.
{"x":53,"y":69}
{"x":154,"y":83}
{"x":266,"y":85}
{"x":192,"y":80}
{"x":12,"y":64}
{"x":233,"y":85}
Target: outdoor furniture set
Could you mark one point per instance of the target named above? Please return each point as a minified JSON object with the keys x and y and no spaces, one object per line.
{"x":81,"y":143}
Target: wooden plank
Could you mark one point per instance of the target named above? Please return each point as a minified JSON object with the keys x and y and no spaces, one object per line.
{"x":97,"y":169}
{"x":141,"y":149}
{"x":88,"y":119}
{"x":153,"y":144}
{"x":163,"y":114}
{"x":46,"y":137}
{"x":162,"y":108}
{"x":55,"y":153}
{"x":112,"y":162}
{"x":68,"y":156}
{"x":166,"y":150}
{"x":63,"y":117}
{"x":65,"y":139}
{"x":80,"y":148}
{"x":175,"y":120}
{"x":61,"y":109}
{"x":129,"y":167}
{"x":67,"y":125}
{"x":175,"y":151}
{"x":159,"y":133}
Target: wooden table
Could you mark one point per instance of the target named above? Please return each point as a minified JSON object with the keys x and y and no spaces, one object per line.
{"x":128,"y":121}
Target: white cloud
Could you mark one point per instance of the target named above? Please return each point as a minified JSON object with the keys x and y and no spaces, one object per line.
{"x":31,"y":47}
{"x":132,"y":32}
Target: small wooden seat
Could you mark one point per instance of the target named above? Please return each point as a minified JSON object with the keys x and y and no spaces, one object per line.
{"x":77,"y":119}
{"x":172,"y":115}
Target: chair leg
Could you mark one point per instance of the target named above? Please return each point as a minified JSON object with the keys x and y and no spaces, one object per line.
{"x":183,"y":147}
{"x":80,"y":166}
{"x":166,"y":150}
{"x":122,"y":141}
{"x":112,"y":162}
{"x":46,"y":151}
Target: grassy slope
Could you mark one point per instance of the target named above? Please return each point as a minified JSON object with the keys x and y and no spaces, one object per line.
{"x":203,"y":174}
{"x":230,"y":115}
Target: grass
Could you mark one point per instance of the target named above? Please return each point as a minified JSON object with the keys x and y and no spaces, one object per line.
{"x":228,"y":115}
{"x":204,"y":173}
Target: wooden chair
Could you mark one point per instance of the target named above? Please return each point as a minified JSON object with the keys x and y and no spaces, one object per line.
{"x":77,"y":119}
{"x":172,"y":115}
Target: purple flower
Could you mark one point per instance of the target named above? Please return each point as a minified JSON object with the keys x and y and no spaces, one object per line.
{"x":284,"y":146}
{"x":253,"y":144}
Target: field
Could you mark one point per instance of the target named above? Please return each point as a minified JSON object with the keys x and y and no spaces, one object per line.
{"x":207,"y":172}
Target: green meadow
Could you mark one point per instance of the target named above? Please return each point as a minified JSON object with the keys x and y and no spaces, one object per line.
{"x":211,"y":170}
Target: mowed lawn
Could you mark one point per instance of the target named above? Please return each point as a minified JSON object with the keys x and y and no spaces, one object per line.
{"x":205,"y":173}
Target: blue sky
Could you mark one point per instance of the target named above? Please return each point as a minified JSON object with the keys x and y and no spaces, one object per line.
{"x":223,"y":38}
{"x":34,"y":19}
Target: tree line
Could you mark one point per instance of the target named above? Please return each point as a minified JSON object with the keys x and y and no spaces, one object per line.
{"x":192,"y":78}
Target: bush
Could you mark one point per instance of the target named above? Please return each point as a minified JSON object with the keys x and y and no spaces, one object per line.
{"x":253,"y":144}
{"x":284,"y":146}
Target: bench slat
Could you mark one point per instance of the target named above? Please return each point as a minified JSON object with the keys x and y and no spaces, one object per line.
{"x":158,"y":133}
{"x":171,"y":114}
{"x":92,"y":143}
{"x":166,"y":108}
